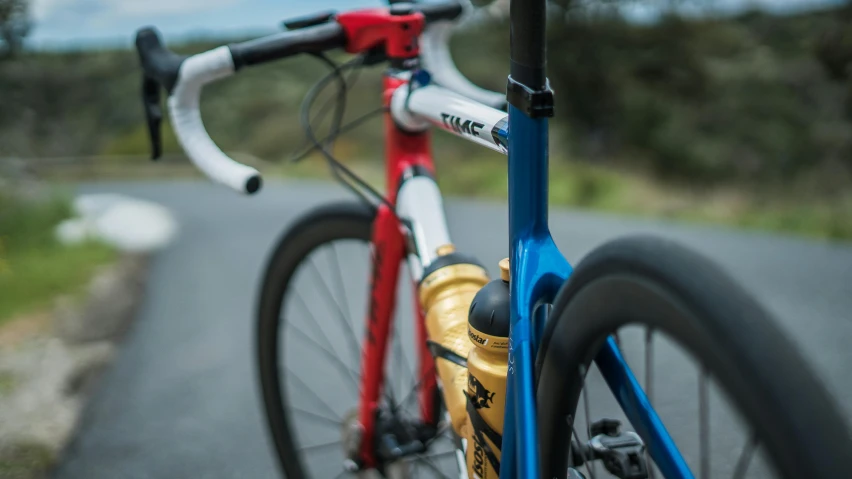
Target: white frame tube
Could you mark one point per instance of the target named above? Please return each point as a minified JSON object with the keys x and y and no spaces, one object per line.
{"x":420,"y":204}
{"x":416,"y":110}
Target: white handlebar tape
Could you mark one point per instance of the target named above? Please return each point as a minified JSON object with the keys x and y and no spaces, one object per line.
{"x":195,"y":72}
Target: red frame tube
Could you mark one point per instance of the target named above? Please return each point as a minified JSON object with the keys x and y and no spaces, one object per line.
{"x":403,"y":151}
{"x":388,"y":251}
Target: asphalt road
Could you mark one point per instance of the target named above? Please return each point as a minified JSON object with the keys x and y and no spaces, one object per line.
{"x":181,"y":399}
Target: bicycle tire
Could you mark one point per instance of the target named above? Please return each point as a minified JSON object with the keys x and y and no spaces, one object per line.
{"x":317,"y":227}
{"x":663,"y":285}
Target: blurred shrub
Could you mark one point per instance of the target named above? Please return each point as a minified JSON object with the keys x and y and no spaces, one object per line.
{"x":35,"y":266}
{"x":752,"y":99}
{"x":706,"y":101}
{"x":834,"y":46}
{"x":29,"y":224}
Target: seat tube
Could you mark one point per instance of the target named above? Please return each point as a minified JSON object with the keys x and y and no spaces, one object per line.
{"x":530,"y":105}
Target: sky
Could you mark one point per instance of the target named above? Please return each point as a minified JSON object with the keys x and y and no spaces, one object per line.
{"x":80,"y":23}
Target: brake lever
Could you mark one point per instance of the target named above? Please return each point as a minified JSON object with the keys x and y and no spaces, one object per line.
{"x":153,"y":114}
{"x":305,"y":21}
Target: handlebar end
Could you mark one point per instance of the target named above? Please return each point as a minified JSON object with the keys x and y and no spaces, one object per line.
{"x":253,"y":184}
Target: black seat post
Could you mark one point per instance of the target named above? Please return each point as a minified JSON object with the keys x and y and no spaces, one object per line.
{"x":528,"y":20}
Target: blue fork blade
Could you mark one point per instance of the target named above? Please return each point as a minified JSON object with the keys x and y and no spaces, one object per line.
{"x":639,"y":411}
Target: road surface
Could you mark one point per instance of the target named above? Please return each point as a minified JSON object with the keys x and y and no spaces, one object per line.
{"x":181,"y":399}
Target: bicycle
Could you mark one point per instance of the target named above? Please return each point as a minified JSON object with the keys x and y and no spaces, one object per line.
{"x":503,"y":363}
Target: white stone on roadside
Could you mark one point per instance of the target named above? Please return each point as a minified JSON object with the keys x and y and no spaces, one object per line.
{"x":74,"y":231}
{"x":44,"y":405}
{"x":127,"y":223}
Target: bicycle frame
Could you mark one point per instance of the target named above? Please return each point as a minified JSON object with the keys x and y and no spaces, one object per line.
{"x":538,"y":269}
{"x":416,"y":226}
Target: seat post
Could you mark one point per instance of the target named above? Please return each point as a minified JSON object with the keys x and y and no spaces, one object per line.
{"x":527,"y":19}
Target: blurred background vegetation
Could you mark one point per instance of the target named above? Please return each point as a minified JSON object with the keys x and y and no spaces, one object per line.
{"x":739,"y":119}
{"x":34,"y":266}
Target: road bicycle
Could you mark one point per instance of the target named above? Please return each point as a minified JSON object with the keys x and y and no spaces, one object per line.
{"x":500,"y":365}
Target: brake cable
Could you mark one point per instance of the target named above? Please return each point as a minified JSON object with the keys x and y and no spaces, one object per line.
{"x":340,"y":171}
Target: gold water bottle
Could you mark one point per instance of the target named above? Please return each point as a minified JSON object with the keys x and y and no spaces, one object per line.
{"x":487,"y":364}
{"x":446,"y":291}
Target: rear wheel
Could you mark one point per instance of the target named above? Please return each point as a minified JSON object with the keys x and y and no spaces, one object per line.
{"x":312,"y":309}
{"x":735,"y":395}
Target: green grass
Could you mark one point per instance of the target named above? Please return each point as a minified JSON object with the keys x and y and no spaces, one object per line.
{"x":823,"y":219}
{"x":612,"y":190}
{"x":8,"y":382}
{"x":25,"y":461}
{"x":34,"y":267}
{"x":605,"y":189}
{"x":609,"y":188}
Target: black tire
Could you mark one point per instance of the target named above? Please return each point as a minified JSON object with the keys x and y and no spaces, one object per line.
{"x":317,"y":227}
{"x":661,"y":285}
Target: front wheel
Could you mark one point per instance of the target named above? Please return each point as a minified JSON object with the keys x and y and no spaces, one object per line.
{"x":311,"y":321}
{"x":689,"y":331}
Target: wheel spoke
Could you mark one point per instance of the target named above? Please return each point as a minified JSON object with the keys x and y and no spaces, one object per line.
{"x":417,"y":386}
{"x":314,"y":324}
{"x":649,"y":365}
{"x":317,"y":447}
{"x":341,"y":285}
{"x":438,"y":454}
{"x":404,"y":362}
{"x":340,"y":365}
{"x":395,"y":365}
{"x":320,"y":417}
{"x":571,"y":448}
{"x":586,"y":457}
{"x":391,"y":366}
{"x":586,"y":404}
{"x":649,"y":386}
{"x":316,"y":396}
{"x":588,"y":420}
{"x":745,"y":457}
{"x":440,"y":434}
{"x":427,"y":461}
{"x":442,"y":437}
{"x":340,"y":316}
{"x":704,"y":427}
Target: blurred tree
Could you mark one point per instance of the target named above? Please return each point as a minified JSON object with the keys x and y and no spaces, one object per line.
{"x":834,"y":48}
{"x":703,"y":99}
{"x":15,"y":25}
